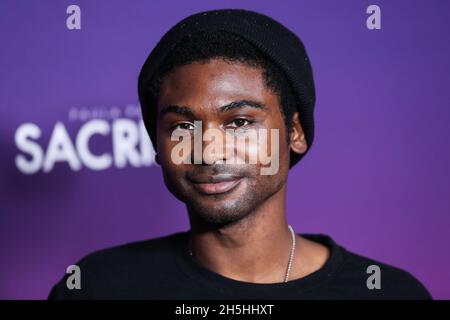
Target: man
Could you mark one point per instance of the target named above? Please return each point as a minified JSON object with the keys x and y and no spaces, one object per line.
{"x":232,"y":72}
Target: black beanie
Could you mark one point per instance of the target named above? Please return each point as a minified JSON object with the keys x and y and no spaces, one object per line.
{"x":275,"y":41}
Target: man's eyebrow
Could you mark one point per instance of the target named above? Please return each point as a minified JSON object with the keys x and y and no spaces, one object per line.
{"x":187,"y":111}
{"x":241,"y":104}
{"x":182,"y":110}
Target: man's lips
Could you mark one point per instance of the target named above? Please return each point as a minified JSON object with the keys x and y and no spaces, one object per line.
{"x":215,"y":184}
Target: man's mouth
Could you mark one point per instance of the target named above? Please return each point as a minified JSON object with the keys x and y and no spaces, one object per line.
{"x":215,"y":184}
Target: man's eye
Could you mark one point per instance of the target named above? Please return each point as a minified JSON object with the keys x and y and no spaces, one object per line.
{"x":241,"y":122}
{"x":183,"y":126}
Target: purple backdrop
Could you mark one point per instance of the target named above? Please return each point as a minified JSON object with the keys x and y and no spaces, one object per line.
{"x":376,"y":179}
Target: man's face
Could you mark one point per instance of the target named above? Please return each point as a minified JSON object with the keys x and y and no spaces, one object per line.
{"x":219,"y":193}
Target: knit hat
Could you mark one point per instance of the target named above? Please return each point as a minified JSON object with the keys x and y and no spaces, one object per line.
{"x":274,"y":40}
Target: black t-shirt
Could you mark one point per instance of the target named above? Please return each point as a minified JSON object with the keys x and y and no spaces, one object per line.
{"x":162,"y":268}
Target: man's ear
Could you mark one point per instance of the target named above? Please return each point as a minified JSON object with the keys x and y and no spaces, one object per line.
{"x":297,"y":140}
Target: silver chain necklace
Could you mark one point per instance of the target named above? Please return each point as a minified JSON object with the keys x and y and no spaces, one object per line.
{"x":291,"y":256}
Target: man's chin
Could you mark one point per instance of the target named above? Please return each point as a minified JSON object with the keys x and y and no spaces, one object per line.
{"x":218,"y":216}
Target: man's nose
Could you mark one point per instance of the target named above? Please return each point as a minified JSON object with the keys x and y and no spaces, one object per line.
{"x":215,"y":145}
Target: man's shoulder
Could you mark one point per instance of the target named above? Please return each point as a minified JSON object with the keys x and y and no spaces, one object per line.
{"x":384,"y":279}
{"x":357,"y":276}
{"x":124,"y":269}
{"x":145,"y":249}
